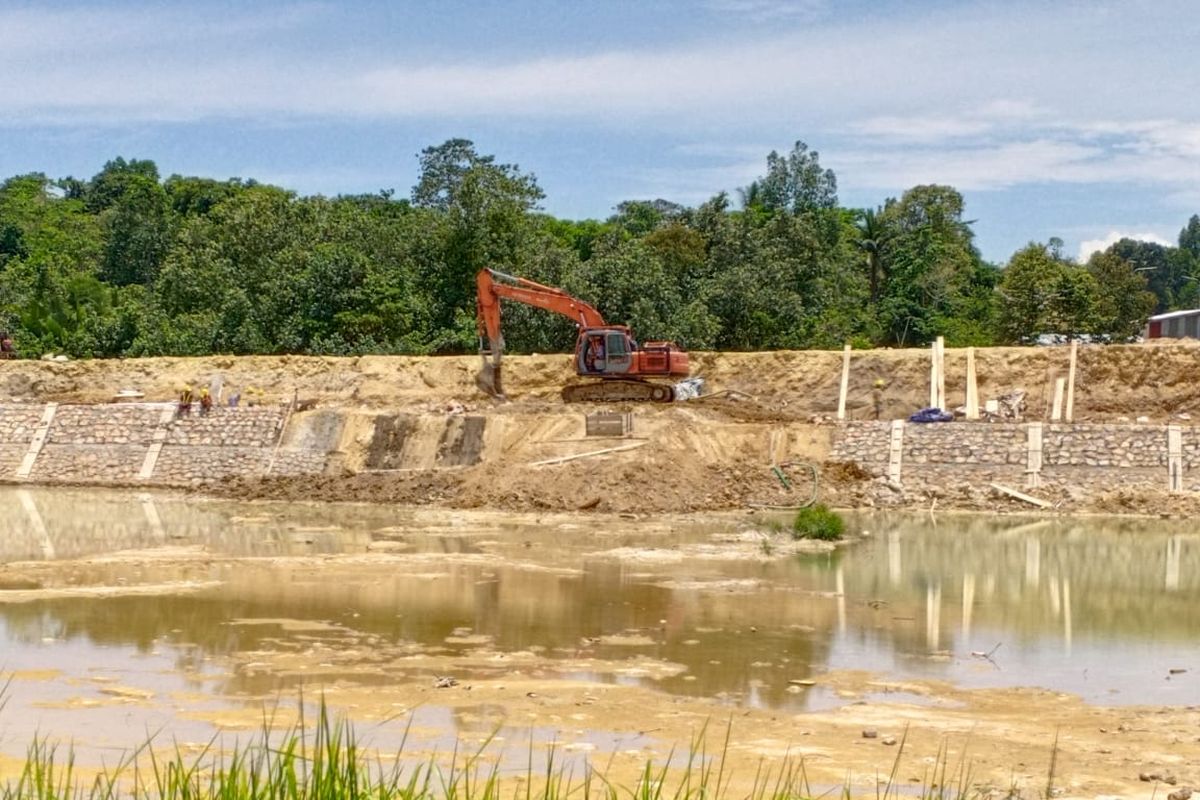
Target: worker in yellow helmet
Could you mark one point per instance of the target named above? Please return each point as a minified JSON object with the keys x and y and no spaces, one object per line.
{"x":185,"y":401}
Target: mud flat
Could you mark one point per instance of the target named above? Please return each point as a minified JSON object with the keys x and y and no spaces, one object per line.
{"x":616,"y":638}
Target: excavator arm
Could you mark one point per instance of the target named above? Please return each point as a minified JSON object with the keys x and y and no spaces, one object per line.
{"x":492,"y":287}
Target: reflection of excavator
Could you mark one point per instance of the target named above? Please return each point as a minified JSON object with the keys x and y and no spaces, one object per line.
{"x":602,"y":351}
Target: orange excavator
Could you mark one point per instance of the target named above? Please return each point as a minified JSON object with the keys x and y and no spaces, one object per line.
{"x":607,"y":352}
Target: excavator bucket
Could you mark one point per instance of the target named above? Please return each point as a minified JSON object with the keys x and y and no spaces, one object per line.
{"x":488,"y":380}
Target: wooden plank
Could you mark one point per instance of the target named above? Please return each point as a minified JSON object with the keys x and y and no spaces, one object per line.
{"x":287,"y":417}
{"x":1056,"y":410}
{"x":895,"y":450}
{"x":577,"y":456}
{"x":933,"y":396}
{"x":1033,"y":455}
{"x":39,"y":440}
{"x":1070,"y":409}
{"x":1037,"y":501}
{"x":941,"y":373}
{"x":1174,"y":458}
{"x":972,"y":387}
{"x":150,"y":460}
{"x":841,"y":415}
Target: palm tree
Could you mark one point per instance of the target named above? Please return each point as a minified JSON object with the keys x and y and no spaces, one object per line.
{"x":872,"y":233}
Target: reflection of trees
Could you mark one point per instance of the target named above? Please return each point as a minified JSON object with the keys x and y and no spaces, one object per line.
{"x":1051,"y":578}
{"x":935,"y":583}
{"x":518,"y":608}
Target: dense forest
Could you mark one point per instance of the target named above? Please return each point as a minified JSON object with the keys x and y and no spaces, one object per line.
{"x":129,"y":264}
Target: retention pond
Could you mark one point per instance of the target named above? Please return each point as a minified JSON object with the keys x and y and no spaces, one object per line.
{"x":123,"y":615}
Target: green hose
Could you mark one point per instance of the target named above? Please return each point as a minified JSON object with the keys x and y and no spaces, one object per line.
{"x":778,"y":471}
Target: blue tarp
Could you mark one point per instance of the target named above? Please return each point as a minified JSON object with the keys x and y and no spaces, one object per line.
{"x":931,"y":415}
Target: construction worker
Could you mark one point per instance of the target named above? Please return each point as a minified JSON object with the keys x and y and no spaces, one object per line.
{"x":7,"y":350}
{"x":205,"y":402}
{"x":185,"y":401}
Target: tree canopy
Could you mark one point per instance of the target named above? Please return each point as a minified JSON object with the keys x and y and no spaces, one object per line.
{"x":127,"y":263}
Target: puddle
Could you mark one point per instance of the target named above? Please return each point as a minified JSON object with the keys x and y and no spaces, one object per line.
{"x":122,"y":614}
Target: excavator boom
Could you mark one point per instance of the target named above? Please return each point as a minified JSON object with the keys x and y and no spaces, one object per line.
{"x":605,"y":351}
{"x":491,"y":287}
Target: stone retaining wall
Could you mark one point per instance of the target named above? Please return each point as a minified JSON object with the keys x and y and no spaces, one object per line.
{"x":88,"y":463}
{"x":10,"y":457}
{"x":111,"y":424}
{"x":228,"y":427}
{"x":111,"y":444}
{"x":18,"y":423}
{"x":1100,"y":456}
{"x":183,"y":465}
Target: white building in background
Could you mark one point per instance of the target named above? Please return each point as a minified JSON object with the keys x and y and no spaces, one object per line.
{"x":1173,"y":325}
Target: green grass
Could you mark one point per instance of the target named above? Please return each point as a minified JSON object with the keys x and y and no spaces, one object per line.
{"x":327,"y":762}
{"x":818,"y":522}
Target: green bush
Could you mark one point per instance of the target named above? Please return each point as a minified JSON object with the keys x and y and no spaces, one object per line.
{"x":818,"y":522}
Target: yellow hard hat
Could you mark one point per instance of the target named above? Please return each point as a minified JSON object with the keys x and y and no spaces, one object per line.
{"x":879,"y":382}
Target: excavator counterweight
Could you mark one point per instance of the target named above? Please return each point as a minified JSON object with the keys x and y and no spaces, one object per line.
{"x":607,"y":352}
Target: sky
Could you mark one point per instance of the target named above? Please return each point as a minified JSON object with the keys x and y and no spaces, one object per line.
{"x":1054,"y":118}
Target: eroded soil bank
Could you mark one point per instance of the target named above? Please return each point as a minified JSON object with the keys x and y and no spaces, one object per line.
{"x":617,"y":638}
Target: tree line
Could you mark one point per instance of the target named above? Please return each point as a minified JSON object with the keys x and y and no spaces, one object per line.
{"x":129,"y":264}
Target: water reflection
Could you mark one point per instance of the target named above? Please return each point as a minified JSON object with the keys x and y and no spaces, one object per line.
{"x":1102,"y":608}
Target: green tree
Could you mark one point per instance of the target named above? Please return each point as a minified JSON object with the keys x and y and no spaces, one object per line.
{"x":1041,"y":293}
{"x":1189,"y":236}
{"x":794,"y":183}
{"x":483,"y":211}
{"x":1124,"y":301}
{"x":872,"y":235}
{"x":138,"y":228}
{"x":931,"y":264}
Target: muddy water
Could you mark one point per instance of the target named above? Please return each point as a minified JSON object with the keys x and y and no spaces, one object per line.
{"x":121,"y":614}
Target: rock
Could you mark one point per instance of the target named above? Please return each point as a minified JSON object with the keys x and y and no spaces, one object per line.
{"x":1180,"y":794}
{"x":889,"y":740}
{"x":870,"y":733}
{"x":1147,"y":777}
{"x":444,"y":682}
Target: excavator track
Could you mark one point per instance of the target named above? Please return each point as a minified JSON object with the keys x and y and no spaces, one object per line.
{"x":620,"y":391}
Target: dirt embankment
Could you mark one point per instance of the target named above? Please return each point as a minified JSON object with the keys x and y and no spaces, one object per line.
{"x":1155,"y":380}
{"x":712,"y":454}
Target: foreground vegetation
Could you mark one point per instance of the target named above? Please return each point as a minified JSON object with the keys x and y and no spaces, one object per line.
{"x":126,"y":263}
{"x":329,"y":763}
{"x":818,"y":522}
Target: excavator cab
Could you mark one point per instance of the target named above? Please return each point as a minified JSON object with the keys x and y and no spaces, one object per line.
{"x":604,"y":351}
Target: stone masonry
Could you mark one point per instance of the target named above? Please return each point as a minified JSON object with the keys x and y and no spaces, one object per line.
{"x":110,"y":444}
{"x":1096,"y":455}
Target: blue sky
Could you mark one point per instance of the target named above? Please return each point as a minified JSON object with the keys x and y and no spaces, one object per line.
{"x":1070,"y":119}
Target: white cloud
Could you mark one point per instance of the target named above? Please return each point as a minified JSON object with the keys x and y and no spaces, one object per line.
{"x":1086,"y":248}
{"x":992,"y":166}
{"x":1007,"y":61}
{"x":979,"y":95}
{"x":770,"y":10}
